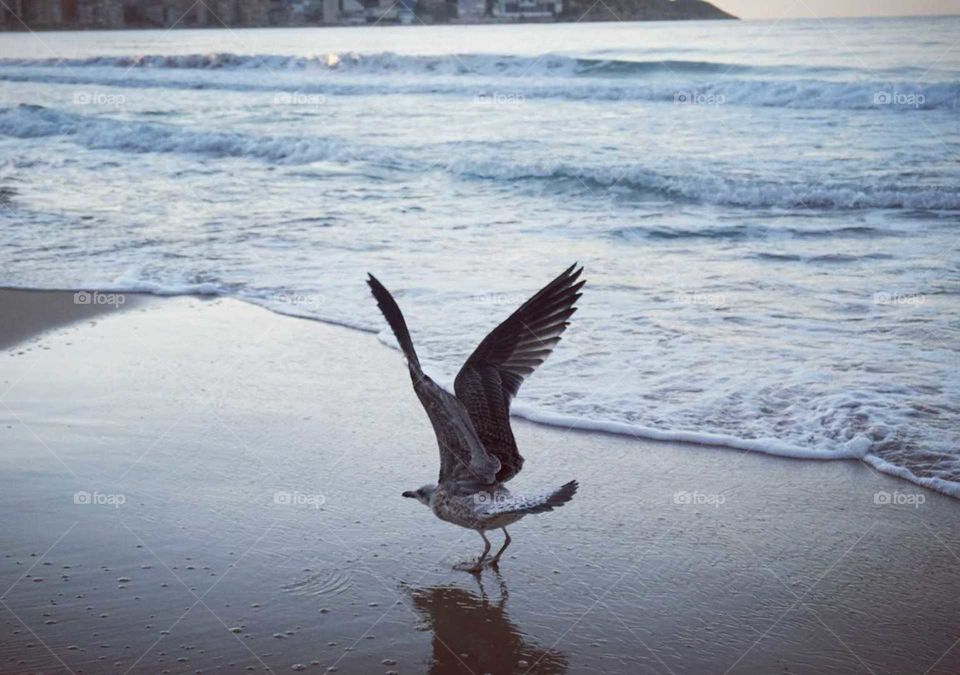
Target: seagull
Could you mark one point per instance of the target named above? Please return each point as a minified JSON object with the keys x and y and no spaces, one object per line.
{"x":478,"y":453}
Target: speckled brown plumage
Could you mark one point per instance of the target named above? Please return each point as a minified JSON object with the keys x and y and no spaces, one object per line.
{"x":478,"y":452}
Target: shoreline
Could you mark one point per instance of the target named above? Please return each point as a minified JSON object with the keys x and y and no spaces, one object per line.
{"x":204,"y":484}
{"x":764,"y":446}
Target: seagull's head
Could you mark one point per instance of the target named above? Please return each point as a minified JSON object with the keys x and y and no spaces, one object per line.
{"x":424,"y":494}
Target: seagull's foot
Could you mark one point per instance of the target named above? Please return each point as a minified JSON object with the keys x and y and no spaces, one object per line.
{"x":475,"y":567}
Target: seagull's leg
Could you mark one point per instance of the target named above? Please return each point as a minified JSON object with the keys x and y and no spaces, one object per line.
{"x":506,"y":542}
{"x":486,"y":549}
{"x":483,"y":593}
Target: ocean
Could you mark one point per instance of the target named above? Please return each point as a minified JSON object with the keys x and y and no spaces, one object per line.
{"x":767,"y":211}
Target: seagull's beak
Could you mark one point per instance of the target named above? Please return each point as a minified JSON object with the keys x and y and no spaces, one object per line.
{"x":409,"y":494}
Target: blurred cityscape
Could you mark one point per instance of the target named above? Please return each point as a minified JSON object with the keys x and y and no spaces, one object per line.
{"x":102,"y":14}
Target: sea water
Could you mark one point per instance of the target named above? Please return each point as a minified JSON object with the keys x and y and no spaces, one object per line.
{"x":767,"y":211}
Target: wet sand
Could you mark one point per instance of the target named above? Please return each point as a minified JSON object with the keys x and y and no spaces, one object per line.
{"x":203,"y":486}
{"x":26,"y":313}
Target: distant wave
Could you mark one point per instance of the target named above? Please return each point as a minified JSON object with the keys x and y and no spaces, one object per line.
{"x":734,"y":192}
{"x":741,"y":232}
{"x":387,"y":62}
{"x":29,"y":121}
{"x":691,"y":83}
{"x":456,"y":64}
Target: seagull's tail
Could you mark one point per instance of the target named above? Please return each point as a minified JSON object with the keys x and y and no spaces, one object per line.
{"x":394,"y":317}
{"x":542,"y":503}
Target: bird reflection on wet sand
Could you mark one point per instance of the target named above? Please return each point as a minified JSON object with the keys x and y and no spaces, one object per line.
{"x":472,"y":633}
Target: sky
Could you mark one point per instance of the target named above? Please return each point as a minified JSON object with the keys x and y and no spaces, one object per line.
{"x":772,"y":9}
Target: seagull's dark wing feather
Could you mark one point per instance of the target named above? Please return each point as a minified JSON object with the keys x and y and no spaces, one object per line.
{"x":494,"y":372}
{"x":462,"y":455}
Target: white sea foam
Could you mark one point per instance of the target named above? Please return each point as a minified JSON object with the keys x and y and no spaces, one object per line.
{"x":771,"y":446}
{"x":947,"y":487}
{"x":132,"y":281}
{"x":856,"y":448}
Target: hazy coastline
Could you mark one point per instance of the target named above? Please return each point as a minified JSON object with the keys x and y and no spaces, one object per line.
{"x":140,"y":15}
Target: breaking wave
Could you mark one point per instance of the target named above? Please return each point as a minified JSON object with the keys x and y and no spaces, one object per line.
{"x":717,"y":189}
{"x":550,"y":77}
{"x":30,"y":121}
{"x":387,"y":62}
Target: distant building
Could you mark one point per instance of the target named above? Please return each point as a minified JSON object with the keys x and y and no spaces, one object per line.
{"x":45,"y":14}
{"x":352,"y":12}
{"x":408,"y":11}
{"x":312,"y":12}
{"x":189,"y":13}
{"x":381,"y":11}
{"x":50,"y":14}
{"x":474,"y":10}
{"x":528,"y":9}
{"x":41,"y":14}
{"x":30,"y":13}
{"x":436,"y":11}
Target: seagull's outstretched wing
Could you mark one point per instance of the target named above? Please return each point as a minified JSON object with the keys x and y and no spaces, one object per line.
{"x":462,"y":455}
{"x":494,"y":372}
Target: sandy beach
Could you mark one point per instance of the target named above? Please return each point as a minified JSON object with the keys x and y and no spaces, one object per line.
{"x":194,"y":485}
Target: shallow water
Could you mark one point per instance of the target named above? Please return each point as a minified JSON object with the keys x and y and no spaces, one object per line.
{"x":767,"y":212}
